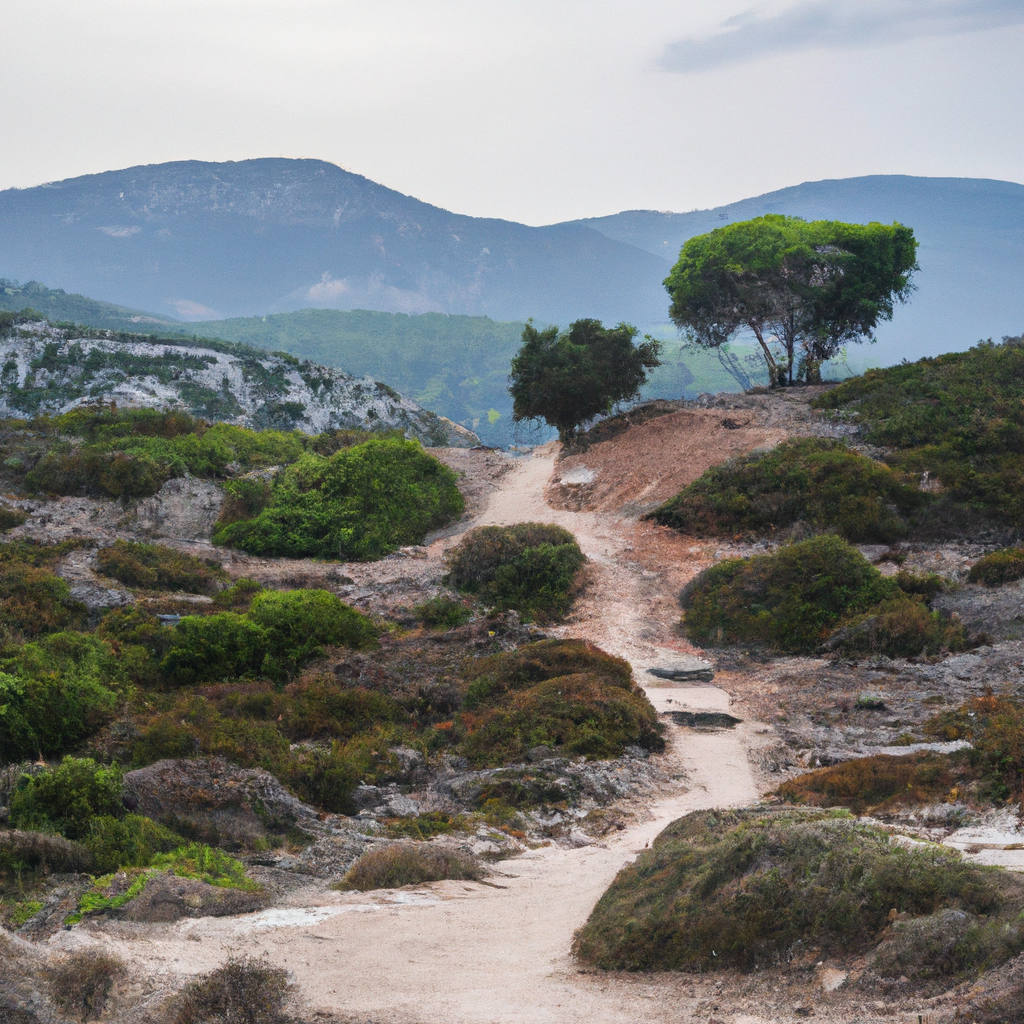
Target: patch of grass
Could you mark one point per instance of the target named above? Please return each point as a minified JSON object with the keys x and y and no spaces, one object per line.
{"x":424,"y":826}
{"x":10,"y":518}
{"x":958,"y":417}
{"x":442,"y":613}
{"x":359,"y":504}
{"x":812,"y":480}
{"x":398,"y":864}
{"x":22,"y":912}
{"x":206,"y":864}
{"x":242,"y":991}
{"x":739,"y":889}
{"x":80,"y":982}
{"x":797,"y":598}
{"x":878,"y":784}
{"x":155,"y":566}
{"x":33,"y":599}
{"x":531,"y":567}
{"x":998,"y":568}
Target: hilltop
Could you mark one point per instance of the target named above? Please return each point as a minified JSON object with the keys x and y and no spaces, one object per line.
{"x":50,"y":369}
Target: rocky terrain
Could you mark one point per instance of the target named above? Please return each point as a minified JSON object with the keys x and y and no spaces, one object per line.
{"x":52,"y":369}
{"x":738,"y":723}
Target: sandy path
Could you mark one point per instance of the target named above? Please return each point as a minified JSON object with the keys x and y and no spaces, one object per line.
{"x":470,"y":953}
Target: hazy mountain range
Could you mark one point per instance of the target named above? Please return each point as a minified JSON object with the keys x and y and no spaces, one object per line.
{"x":202,"y":241}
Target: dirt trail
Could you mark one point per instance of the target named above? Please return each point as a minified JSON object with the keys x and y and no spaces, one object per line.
{"x":464,"y":953}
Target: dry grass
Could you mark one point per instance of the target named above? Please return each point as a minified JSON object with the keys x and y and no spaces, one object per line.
{"x":243,"y":991}
{"x":80,"y":982}
{"x":398,"y":864}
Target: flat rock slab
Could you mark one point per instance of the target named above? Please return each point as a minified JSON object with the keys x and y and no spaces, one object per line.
{"x":703,"y":719}
{"x":690,"y":668}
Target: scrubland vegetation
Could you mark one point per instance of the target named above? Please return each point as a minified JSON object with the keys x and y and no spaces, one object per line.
{"x":726,"y":889}
{"x":398,"y":864}
{"x":817,"y":592}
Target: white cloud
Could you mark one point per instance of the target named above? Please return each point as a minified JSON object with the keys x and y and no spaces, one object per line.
{"x":834,"y":25}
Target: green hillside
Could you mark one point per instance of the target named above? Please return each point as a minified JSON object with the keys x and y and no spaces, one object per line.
{"x":57,"y":305}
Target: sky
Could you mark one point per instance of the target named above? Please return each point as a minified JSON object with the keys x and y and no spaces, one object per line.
{"x":532,"y":110}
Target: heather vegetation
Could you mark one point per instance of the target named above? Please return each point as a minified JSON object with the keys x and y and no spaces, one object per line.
{"x":360,"y":503}
{"x":999,"y":567}
{"x":722,"y":890}
{"x":817,"y":592}
{"x":959,"y":418}
{"x":530,"y":567}
{"x":398,"y":864}
{"x":155,"y":566}
{"x":820,"y":483}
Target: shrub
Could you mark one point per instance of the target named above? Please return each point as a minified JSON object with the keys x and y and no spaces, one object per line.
{"x":531,"y":567}
{"x":739,"y":889}
{"x":33,"y":600}
{"x":999,"y":567}
{"x":320,"y":707}
{"x":206,"y":864}
{"x":128,"y":842}
{"x":957,"y":417}
{"x":790,"y":600}
{"x":10,"y":518}
{"x":398,"y":864}
{"x":80,"y":982}
{"x":52,"y":696}
{"x":32,"y":853}
{"x":155,"y":566}
{"x":994,"y":726}
{"x":442,"y":613}
{"x":221,"y":646}
{"x":65,"y":799}
{"x":359,"y":504}
{"x":239,"y":595}
{"x":812,"y":480}
{"x":243,"y":991}
{"x":876,"y":784}
{"x":900,"y":628}
{"x":298,"y":623}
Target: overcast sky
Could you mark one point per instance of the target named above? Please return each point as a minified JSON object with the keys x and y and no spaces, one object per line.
{"x":534,"y":110}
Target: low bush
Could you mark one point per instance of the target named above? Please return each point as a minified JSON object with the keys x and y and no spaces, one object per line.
{"x":155,"y":566}
{"x":812,"y":480}
{"x":425,"y":825}
{"x":998,"y":568}
{"x":359,"y":504}
{"x":398,"y":864}
{"x":128,"y":842}
{"x":53,"y":694}
{"x":531,"y":567}
{"x":281,"y":631}
{"x":25,"y":854}
{"x":67,"y":798}
{"x":958,"y":418}
{"x":35,"y":601}
{"x":206,"y":864}
{"x":994,"y":726}
{"x":442,"y":613}
{"x":878,"y":784}
{"x":740,"y":889}
{"x":80,"y":982}
{"x":10,"y":518}
{"x":239,"y":595}
{"x":242,"y":991}
{"x":819,"y":593}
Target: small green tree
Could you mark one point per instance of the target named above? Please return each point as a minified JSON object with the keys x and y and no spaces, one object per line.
{"x":567,"y":378}
{"x":811,"y":286}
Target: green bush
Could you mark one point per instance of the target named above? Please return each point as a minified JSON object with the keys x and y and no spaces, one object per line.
{"x":53,"y":694}
{"x":819,"y":482}
{"x":999,"y":567}
{"x":957,"y":417}
{"x":531,"y":567}
{"x":741,"y":889}
{"x":33,"y":599}
{"x":155,"y":566}
{"x":790,"y":600}
{"x":239,"y":595}
{"x":442,"y":613}
{"x":359,"y":504}
{"x":67,"y":798}
{"x":281,"y":631}
{"x":398,"y":864}
{"x":128,"y":842}
{"x":299,"y":623}
{"x":11,"y":517}
{"x":900,"y":628}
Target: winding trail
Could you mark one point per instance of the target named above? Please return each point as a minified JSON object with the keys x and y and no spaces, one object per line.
{"x":465,"y":953}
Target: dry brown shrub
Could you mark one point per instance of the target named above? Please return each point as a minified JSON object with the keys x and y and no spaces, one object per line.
{"x":80,"y":982}
{"x":391,"y":867}
{"x":243,"y":991}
